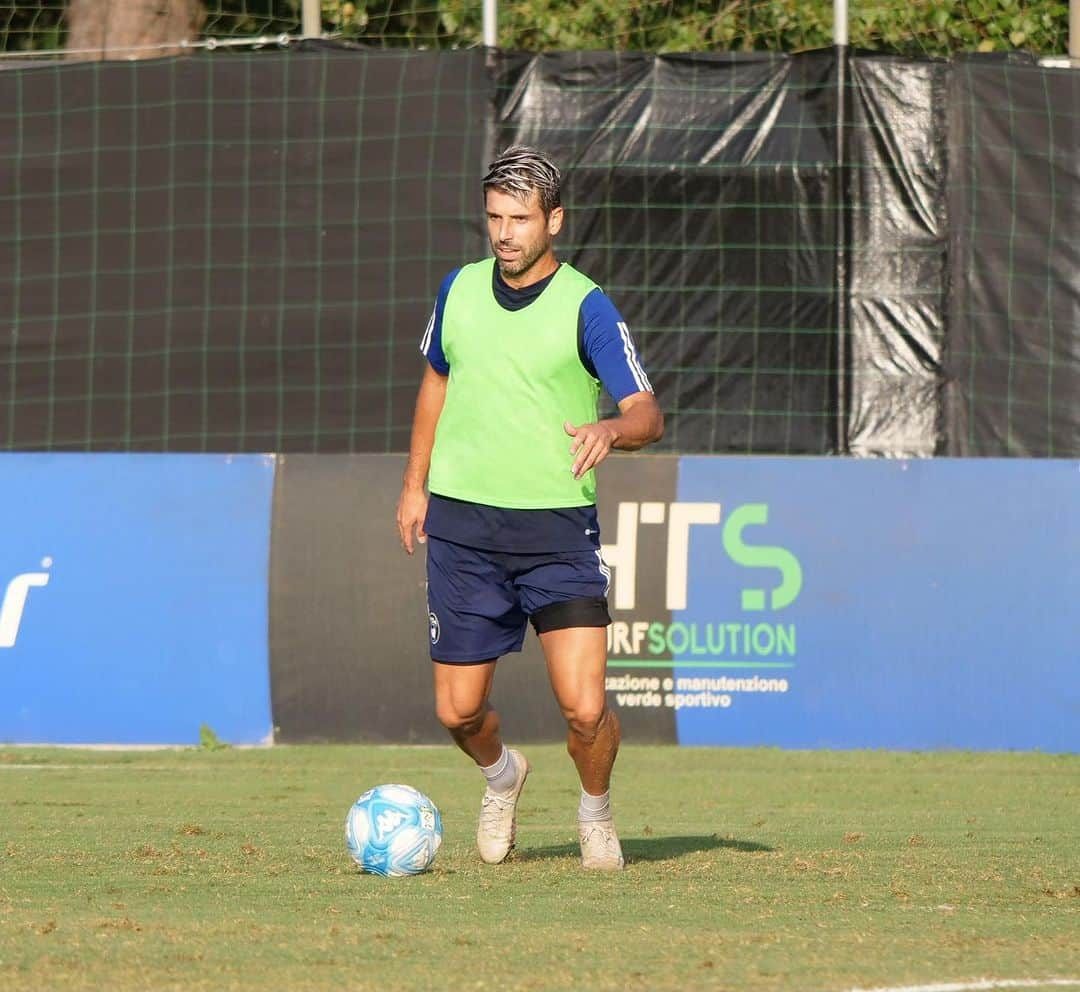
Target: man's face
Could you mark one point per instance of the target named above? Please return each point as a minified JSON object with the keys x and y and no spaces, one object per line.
{"x":520,"y":233}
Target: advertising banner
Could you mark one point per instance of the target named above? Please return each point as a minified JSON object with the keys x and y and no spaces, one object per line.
{"x":133,"y":606}
{"x":798,"y":603}
{"x":811,"y":603}
{"x":349,"y":653}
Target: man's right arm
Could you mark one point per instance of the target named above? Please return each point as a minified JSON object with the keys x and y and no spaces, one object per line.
{"x":412,"y":504}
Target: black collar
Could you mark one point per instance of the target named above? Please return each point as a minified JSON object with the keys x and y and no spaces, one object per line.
{"x":516,"y":299}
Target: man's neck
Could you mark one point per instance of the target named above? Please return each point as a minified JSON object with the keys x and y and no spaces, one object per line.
{"x":511,"y":298}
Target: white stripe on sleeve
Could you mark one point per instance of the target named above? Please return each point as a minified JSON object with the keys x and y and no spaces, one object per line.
{"x":640,"y":378}
{"x":425,"y":341}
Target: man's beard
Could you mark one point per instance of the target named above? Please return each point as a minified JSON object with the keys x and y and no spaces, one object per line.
{"x":521,"y":264}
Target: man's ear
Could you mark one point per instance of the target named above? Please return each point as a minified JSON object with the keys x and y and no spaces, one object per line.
{"x":555,"y":219}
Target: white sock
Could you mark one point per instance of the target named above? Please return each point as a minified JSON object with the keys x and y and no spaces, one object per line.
{"x":502,"y":775}
{"x":593,"y":808}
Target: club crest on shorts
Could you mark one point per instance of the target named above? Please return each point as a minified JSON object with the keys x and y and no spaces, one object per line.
{"x":433,"y":626}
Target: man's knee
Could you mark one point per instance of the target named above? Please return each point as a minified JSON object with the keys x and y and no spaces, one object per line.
{"x":586,"y":722}
{"x":458,"y":719}
{"x":461,"y":696}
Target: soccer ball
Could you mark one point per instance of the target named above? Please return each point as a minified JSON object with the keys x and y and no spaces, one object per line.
{"x":393,"y":830}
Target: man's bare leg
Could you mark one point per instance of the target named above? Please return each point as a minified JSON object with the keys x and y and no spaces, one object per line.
{"x":576,"y":662}
{"x":461,"y":704}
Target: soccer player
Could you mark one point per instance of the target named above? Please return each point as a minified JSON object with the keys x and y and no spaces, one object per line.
{"x":506,"y":436}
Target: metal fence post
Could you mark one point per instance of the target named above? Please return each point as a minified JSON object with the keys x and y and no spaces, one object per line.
{"x":840,"y":21}
{"x":311,"y":22}
{"x":491,"y":23}
{"x":840,"y":190}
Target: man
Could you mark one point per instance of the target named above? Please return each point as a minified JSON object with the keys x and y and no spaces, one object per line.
{"x":506,"y":437}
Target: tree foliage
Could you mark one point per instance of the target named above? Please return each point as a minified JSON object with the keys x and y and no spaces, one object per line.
{"x":923,"y":27}
{"x":910,"y":27}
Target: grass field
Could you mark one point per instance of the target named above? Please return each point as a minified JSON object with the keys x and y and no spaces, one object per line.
{"x":748,"y":870}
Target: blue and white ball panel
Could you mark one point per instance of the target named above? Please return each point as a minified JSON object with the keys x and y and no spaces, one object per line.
{"x":393,"y":830}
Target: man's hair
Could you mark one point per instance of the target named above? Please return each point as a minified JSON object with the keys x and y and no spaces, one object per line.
{"x":519,"y":170}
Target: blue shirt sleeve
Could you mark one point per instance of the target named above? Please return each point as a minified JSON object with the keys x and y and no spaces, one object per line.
{"x":431,"y":342}
{"x":608,"y":350}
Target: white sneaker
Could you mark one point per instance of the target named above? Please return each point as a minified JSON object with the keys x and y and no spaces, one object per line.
{"x":600,"y":847}
{"x":498,"y":816}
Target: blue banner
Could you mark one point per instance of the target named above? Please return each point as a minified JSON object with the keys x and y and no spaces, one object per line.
{"x":882,"y":604}
{"x":134,"y":598}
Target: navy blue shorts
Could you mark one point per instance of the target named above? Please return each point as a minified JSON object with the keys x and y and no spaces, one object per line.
{"x":479,"y":602}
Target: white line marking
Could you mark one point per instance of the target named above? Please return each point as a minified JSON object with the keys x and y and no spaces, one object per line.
{"x":88,"y":768}
{"x":978,"y":984}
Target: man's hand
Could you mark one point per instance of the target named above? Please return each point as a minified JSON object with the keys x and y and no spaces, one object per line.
{"x":592,"y":444}
{"x":639,"y":422}
{"x":411,"y":511}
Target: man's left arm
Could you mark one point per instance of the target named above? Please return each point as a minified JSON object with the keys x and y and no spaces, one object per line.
{"x":607,"y":350}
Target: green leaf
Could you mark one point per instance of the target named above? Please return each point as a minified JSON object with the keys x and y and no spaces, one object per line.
{"x":209,"y":741}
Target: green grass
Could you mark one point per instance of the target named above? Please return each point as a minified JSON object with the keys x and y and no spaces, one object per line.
{"x":748,"y":870}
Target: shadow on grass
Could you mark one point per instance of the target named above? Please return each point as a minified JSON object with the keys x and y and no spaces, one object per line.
{"x":647,"y":848}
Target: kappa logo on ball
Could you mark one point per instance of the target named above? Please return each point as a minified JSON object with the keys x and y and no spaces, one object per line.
{"x":433,"y":627}
{"x":387,"y":821}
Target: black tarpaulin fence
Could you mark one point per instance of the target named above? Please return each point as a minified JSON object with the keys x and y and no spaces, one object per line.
{"x":1013,"y":343}
{"x":822,"y":253}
